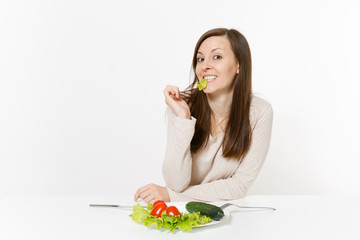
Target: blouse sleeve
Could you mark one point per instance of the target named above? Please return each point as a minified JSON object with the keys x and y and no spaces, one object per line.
{"x":235,"y":186}
{"x":177,"y":164}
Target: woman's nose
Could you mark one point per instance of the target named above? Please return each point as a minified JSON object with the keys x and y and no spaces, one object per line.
{"x":206,"y":65}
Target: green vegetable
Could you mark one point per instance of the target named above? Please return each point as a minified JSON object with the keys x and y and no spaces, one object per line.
{"x":202,"y":84}
{"x":206,"y":209}
{"x":183,"y":223}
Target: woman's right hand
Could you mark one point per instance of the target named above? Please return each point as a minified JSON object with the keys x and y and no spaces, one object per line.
{"x":175,"y":102}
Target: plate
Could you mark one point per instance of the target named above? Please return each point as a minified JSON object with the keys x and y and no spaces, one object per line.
{"x":182,"y":208}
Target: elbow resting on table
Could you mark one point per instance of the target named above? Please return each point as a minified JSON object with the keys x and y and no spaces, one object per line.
{"x":239,"y":195}
{"x":176,"y":186}
{"x":176,"y":181}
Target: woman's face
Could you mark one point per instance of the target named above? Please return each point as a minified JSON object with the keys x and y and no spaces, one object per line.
{"x":216,"y":62}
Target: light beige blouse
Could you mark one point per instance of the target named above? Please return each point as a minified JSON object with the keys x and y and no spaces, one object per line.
{"x":207,"y":176}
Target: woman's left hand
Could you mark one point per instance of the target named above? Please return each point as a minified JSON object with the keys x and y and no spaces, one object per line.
{"x":151,"y":193}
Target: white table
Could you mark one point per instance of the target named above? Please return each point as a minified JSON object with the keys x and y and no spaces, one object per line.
{"x":53,"y":217}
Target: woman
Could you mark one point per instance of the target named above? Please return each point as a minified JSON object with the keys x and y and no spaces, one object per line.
{"x":218,"y":138}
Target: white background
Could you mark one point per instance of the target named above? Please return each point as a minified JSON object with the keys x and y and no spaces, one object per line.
{"x":81,"y":104}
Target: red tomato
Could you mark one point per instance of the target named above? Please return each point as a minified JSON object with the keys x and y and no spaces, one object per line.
{"x":157,"y":202}
{"x":158,"y":209}
{"x":172,"y":210}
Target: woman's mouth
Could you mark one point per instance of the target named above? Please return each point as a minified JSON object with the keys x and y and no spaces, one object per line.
{"x":210,"y":78}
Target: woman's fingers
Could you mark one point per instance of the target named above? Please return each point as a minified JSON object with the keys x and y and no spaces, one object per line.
{"x":146,"y":195}
{"x":172,"y":91}
{"x":150,"y":198}
{"x":175,"y":102}
{"x":140,"y":192}
{"x":151,"y":193}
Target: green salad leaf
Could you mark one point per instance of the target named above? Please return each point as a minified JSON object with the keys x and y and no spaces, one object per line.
{"x":185,"y":222}
{"x":202,"y":84}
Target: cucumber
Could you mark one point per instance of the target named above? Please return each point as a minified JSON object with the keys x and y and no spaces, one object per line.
{"x":209,"y":210}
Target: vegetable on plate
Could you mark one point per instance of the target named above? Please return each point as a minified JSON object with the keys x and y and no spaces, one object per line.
{"x":212,"y":211}
{"x":172,"y":210}
{"x":167,"y":218}
{"x":158,"y":209}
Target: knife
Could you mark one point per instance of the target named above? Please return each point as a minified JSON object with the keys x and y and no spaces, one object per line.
{"x":113,"y":206}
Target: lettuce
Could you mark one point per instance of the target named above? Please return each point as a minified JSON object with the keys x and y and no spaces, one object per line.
{"x":184,"y":223}
{"x":202,"y":84}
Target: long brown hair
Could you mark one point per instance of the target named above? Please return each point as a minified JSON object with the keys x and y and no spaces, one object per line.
{"x":238,"y":131}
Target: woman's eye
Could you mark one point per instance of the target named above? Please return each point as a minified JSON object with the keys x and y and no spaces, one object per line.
{"x":200,"y":59}
{"x":217,"y":57}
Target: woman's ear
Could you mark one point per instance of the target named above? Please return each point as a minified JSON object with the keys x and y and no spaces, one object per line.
{"x":238,"y":69}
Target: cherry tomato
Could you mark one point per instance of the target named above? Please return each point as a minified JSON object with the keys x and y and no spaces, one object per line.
{"x":158,"y":209}
{"x":157,"y":202}
{"x":172,"y":210}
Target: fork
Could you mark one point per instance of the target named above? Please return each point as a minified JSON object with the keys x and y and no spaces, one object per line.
{"x":260,"y":208}
{"x":222,"y":206}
